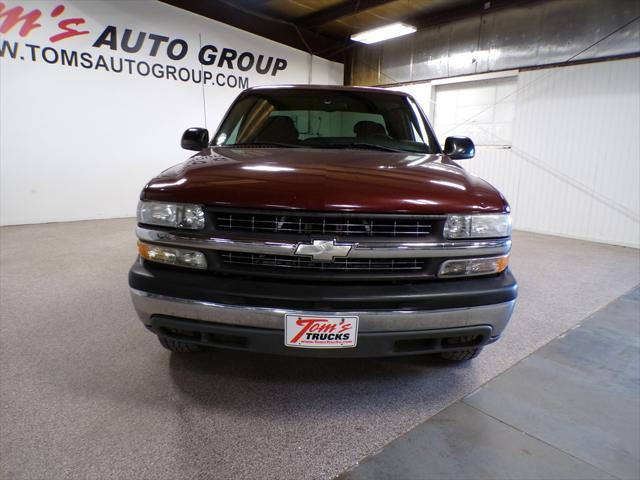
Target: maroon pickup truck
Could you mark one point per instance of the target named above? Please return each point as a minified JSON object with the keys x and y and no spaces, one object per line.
{"x":324,"y":221}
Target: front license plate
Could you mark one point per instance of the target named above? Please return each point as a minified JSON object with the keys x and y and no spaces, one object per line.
{"x":320,"y":332}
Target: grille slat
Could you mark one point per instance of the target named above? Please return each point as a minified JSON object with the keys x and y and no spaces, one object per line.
{"x":379,"y":265}
{"x":301,"y":225}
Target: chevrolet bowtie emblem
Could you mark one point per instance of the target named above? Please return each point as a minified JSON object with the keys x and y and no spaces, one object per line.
{"x":325,"y":250}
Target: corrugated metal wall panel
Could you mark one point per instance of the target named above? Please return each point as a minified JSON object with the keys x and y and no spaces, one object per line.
{"x":395,"y":61}
{"x":463,"y":46}
{"x":367,"y":60}
{"x":434,"y":61}
{"x":574,"y":168}
{"x":510,"y":38}
{"x":523,"y":35}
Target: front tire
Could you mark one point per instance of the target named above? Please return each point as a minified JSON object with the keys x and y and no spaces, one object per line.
{"x":177,"y":346}
{"x":461,"y":355}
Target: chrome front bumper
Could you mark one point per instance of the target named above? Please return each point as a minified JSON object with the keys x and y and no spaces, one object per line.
{"x":150,"y":304}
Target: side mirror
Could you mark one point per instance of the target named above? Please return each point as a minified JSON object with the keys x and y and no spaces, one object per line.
{"x":195,"y":139}
{"x":459,"y":148}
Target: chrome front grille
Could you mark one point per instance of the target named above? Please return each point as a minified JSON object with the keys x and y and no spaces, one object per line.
{"x":357,"y":265}
{"x":329,"y":224}
{"x":368,"y":259}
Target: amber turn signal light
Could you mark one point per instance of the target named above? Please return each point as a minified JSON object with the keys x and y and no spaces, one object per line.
{"x":470,"y":267}
{"x":172,"y":256}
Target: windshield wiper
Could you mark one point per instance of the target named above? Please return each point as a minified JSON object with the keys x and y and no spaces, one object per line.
{"x":261,"y":144}
{"x":374,"y":146}
{"x":369,"y":146}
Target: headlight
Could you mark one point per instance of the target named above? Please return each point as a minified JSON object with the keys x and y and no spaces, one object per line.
{"x":478,"y":226}
{"x":470,"y":267}
{"x":172,"y":256}
{"x":177,"y":215}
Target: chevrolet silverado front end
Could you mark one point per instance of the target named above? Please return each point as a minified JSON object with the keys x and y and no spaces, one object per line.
{"x":324,"y":221}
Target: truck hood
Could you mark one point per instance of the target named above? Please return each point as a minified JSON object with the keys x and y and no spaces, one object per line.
{"x":325,"y":180}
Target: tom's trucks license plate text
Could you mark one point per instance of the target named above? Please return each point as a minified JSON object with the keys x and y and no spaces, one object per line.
{"x":320,"y":331}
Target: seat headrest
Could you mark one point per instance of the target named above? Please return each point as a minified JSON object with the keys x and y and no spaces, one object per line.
{"x":279,"y":129}
{"x":365,"y":128}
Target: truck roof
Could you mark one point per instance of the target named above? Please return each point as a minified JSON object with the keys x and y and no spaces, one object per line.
{"x":342,"y":88}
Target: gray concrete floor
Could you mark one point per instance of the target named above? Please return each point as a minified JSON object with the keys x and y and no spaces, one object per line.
{"x":86,"y":392}
{"x":571,"y":410}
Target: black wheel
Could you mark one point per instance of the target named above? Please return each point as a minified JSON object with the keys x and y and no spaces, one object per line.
{"x":178,"y":346}
{"x":461,"y":355}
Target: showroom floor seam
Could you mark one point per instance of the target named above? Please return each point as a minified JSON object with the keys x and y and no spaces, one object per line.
{"x":461,"y":399}
{"x":533,"y":437}
{"x":398,"y":459}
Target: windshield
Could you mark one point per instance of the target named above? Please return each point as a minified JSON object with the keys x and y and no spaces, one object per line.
{"x":326,"y":119}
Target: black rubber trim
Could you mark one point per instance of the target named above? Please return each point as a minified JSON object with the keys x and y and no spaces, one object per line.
{"x":203,"y":286}
{"x":427,"y":272}
{"x":369,"y":344}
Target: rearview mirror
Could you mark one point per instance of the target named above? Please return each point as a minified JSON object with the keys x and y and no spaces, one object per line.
{"x":195,"y":139}
{"x":459,"y":148}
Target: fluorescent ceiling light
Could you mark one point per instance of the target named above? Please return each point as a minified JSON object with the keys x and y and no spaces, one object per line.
{"x":379,"y":34}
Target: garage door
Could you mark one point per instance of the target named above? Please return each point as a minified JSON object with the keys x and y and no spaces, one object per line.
{"x":482,"y":110}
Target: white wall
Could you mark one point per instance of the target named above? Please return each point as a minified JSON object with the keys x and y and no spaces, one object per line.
{"x":574,"y":166}
{"x":80,"y":143}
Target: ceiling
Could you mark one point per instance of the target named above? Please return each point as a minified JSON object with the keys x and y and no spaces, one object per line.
{"x":324,"y":26}
{"x":341,"y":19}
